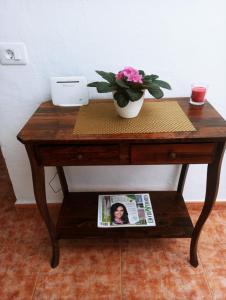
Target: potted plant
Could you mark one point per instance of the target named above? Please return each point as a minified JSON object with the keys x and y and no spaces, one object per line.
{"x":128,"y":87}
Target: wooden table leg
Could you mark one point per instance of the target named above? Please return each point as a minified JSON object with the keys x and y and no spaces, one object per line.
{"x":63,"y":181}
{"x":183,"y":175}
{"x":38,"y":176}
{"x":213,"y":175}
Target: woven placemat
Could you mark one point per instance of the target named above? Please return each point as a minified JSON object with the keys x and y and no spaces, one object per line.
{"x":102,"y":118}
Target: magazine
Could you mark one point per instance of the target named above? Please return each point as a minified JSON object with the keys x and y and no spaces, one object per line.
{"x":127,"y":210}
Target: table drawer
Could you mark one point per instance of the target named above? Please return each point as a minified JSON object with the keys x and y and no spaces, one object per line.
{"x":172,"y":153}
{"x":79,"y":155}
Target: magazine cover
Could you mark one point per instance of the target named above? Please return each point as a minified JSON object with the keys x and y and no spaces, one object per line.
{"x":129,"y":210}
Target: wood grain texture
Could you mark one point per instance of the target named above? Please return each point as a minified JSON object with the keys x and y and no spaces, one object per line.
{"x":55,"y":124}
{"x":78,"y":217}
{"x":63,"y":181}
{"x":80,"y":155}
{"x":172,"y":153}
{"x":183,"y":175}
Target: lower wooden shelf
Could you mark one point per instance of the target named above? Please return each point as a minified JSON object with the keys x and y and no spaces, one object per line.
{"x":78,"y":217}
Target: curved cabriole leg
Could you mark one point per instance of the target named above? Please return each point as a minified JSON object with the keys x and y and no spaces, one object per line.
{"x":212,"y":184}
{"x":38,"y":176}
{"x":63,"y":182}
{"x":55,"y":253}
{"x":183,"y":175}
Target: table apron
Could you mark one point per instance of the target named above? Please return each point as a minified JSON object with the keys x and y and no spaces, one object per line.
{"x":125,"y":154}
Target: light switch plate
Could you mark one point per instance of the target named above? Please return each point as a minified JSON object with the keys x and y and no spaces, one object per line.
{"x":13,"y":54}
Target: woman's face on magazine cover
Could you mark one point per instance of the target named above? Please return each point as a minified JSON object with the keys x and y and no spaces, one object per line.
{"x":119,"y":212}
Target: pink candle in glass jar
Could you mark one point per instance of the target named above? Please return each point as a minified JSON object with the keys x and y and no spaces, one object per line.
{"x":198,"y":94}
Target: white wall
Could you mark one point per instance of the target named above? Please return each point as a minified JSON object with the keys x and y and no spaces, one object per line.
{"x":182,"y":41}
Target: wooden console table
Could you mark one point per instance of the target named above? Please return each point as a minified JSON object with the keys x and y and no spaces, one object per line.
{"x":49,"y":141}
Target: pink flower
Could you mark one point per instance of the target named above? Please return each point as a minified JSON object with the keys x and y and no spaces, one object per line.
{"x":130,"y":74}
{"x":137,"y":78}
{"x":120,"y":75}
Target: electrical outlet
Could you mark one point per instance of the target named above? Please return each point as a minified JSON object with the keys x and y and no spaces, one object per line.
{"x":13,"y":54}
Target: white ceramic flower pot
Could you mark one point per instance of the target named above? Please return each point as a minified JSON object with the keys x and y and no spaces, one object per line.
{"x":131,"y":110}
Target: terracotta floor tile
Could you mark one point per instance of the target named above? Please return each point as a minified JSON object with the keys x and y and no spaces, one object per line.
{"x":33,"y":231}
{"x":170,"y":286}
{"x":26,"y":227}
{"x":58,"y":286}
{"x":214,"y":227}
{"x":7,"y":218}
{"x":186,"y":287}
{"x":221,"y":214}
{"x":20,"y":257}
{"x":26,"y":212}
{"x":106,"y":272}
{"x":104,"y":257}
{"x":91,"y":242}
{"x":32,"y":213}
{"x":211,"y":219}
{"x":140,"y":257}
{"x":220,"y":225}
{"x":6,"y":204}
{"x":162,"y":272}
{"x":18,"y":287}
{"x":217,"y":281}
{"x":195,"y":287}
{"x":141,"y":288}
{"x":213,"y":255}
{"x":74,"y":256}
{"x":100,"y":264}
{"x":5,"y":258}
{"x":141,"y":270}
{"x":105,"y":285}
{"x":176,"y":257}
{"x":155,"y":243}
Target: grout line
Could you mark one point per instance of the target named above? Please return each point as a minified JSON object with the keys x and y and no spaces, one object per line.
{"x":36,"y":280}
{"x":207,"y":282}
{"x":205,"y":277}
{"x":38,"y":273}
{"x":121,"y":270}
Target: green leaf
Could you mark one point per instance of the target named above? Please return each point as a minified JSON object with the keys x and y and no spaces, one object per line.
{"x":146,"y":84}
{"x":147,"y":77}
{"x":162,"y":84}
{"x":110,"y":77}
{"x":121,"y":99}
{"x":102,"y":86}
{"x":155,"y":91}
{"x":134,"y":95}
{"x":93,"y":84}
{"x":153,"y":77}
{"x":121,"y":83}
{"x":141,"y":72}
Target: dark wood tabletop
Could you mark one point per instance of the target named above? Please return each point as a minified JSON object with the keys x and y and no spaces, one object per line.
{"x":55,"y":124}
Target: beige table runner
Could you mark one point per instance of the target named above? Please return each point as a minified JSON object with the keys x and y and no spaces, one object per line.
{"x":102,"y":118}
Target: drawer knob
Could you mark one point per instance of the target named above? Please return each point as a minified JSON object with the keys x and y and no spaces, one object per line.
{"x":172,"y":155}
{"x":79,"y":156}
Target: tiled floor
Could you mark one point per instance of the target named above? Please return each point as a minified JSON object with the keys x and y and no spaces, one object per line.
{"x":110,"y":270}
